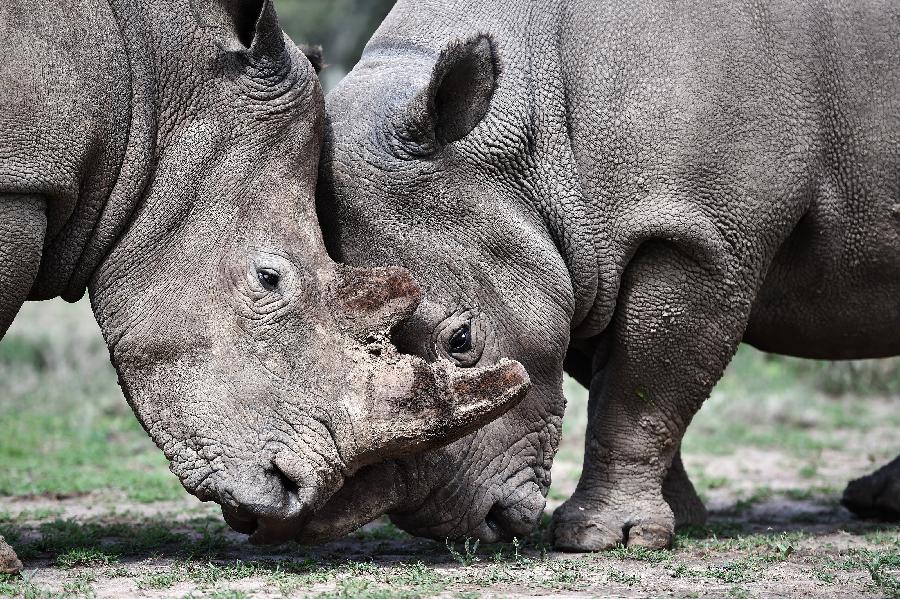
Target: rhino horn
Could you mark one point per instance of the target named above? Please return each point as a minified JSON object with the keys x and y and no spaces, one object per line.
{"x":417,"y":405}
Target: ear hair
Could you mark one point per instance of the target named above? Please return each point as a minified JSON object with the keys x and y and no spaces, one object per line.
{"x":315,"y":55}
{"x":461,"y":87}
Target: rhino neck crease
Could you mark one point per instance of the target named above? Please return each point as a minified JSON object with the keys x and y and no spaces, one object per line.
{"x":138,"y":162}
{"x":557,"y":197}
{"x":99,"y":214}
{"x":572,"y":209}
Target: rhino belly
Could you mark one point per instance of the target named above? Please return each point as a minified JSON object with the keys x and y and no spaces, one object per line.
{"x":833,"y":292}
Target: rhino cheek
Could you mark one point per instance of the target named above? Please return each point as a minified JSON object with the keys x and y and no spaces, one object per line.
{"x":490,"y":485}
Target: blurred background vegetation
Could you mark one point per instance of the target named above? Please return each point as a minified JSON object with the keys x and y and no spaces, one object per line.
{"x":341,"y":27}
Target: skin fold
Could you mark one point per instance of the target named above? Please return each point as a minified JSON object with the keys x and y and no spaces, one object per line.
{"x":163,"y":156}
{"x":625,"y":192}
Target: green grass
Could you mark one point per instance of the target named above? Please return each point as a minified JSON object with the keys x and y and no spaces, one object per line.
{"x":758,"y":553}
{"x":30,"y":515}
{"x":623,"y":578}
{"x":363,"y":589}
{"x":64,"y":425}
{"x":640,"y":554}
{"x":467,"y":554}
{"x":99,"y":542}
{"x":729,"y":556}
{"x":883,"y":568}
{"x":84,"y":556}
{"x":51,"y":454}
{"x":350,"y":579}
{"x":808,"y":471}
{"x":385,"y":531}
{"x":783,"y":403}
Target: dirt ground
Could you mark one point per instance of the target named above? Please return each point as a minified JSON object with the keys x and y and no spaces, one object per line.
{"x":86,"y":500}
{"x":788,"y":543}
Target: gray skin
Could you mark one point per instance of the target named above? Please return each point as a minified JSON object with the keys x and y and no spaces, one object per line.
{"x":163,"y":156}
{"x":625,"y":192}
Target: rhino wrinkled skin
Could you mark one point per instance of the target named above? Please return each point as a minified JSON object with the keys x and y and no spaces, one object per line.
{"x":163,"y":156}
{"x":626,"y":192}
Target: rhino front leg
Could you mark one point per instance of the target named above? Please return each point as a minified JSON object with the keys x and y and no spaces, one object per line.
{"x":23,"y":223}
{"x":675,"y":329}
{"x":678,"y":491}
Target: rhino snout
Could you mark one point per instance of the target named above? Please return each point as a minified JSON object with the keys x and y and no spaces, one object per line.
{"x":270,"y":506}
{"x":514,"y":516}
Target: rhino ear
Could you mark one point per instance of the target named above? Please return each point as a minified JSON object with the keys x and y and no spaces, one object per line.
{"x":234,"y":23}
{"x":459,"y":93}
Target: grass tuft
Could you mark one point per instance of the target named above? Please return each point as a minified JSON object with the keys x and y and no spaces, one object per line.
{"x":85,"y":557}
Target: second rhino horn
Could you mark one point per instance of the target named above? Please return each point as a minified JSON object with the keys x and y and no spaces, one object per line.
{"x":422,"y":405}
{"x":374,"y":300}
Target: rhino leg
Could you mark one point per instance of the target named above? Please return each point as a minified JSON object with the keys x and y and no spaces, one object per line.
{"x":679,"y":493}
{"x":876,"y":495}
{"x":9,"y":561}
{"x":23,"y":223}
{"x":675,"y":328}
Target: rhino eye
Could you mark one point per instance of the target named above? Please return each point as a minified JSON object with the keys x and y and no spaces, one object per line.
{"x":268,"y":278}
{"x":461,"y":341}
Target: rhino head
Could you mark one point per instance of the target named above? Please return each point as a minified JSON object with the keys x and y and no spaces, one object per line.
{"x":261,"y":368}
{"x":434,"y":158}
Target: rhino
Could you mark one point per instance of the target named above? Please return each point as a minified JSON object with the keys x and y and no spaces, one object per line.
{"x":163,"y":156}
{"x":622,"y":192}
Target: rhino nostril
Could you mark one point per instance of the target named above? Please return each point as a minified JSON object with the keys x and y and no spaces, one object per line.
{"x":496,"y":521}
{"x":287,"y":483}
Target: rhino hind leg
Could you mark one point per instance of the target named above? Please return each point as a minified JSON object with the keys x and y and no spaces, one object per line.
{"x":9,"y":561}
{"x":876,"y":495}
{"x":23,"y":223}
{"x":679,"y":493}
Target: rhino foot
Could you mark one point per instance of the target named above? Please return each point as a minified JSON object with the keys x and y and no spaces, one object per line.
{"x":679,"y":493}
{"x":9,"y":561}
{"x":876,"y":495}
{"x":597,"y":526}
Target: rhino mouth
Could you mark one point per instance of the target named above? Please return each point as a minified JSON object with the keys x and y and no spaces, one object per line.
{"x":263,"y":530}
{"x":275,"y":511}
{"x":240,"y":519}
{"x":516,"y":515}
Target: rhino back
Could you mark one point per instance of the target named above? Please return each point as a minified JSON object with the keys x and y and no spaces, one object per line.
{"x":64,"y":114}
{"x":776,"y":122}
